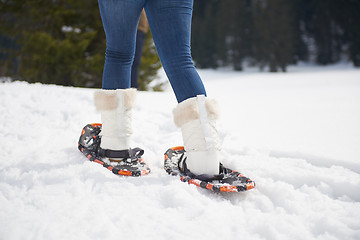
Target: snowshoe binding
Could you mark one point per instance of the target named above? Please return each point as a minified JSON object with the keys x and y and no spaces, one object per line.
{"x":227,"y":181}
{"x":131,"y":164}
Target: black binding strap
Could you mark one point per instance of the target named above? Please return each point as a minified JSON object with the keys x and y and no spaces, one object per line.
{"x":114,"y":153}
{"x":203,"y":177}
{"x":132,"y":153}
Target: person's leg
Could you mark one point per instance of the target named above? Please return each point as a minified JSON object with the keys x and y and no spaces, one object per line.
{"x":140,"y":38}
{"x":170,"y":24}
{"x":120,"y":19}
{"x":116,"y":100}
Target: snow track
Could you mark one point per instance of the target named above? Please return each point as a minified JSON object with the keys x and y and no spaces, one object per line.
{"x":296,"y":134}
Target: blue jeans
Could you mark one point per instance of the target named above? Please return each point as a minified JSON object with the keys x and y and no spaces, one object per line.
{"x":140,"y":39}
{"x":170,"y":24}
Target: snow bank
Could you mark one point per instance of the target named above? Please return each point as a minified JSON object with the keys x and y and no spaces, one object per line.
{"x":296,"y":134}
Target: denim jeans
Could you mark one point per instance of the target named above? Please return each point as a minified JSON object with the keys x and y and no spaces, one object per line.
{"x":170,"y":24}
{"x":140,"y":39}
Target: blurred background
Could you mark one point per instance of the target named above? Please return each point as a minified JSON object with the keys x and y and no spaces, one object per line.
{"x":62,"y":41}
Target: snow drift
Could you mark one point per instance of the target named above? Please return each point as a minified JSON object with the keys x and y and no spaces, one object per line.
{"x":296,"y":134}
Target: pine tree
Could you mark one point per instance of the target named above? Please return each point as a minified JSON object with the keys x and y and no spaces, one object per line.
{"x":325,"y":32}
{"x":273,"y":43}
{"x":56,"y":40}
{"x":242,"y":31}
{"x":233,"y":32}
{"x":348,"y":18}
{"x":60,"y":42}
{"x":204,"y":34}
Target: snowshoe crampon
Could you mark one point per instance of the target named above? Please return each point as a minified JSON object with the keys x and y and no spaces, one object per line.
{"x":132,"y":163}
{"x":227,"y":181}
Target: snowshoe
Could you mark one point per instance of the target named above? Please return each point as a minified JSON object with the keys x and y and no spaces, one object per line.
{"x":227,"y":181}
{"x":131,"y":164}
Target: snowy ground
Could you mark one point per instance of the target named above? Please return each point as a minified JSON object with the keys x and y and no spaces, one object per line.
{"x":296,"y":134}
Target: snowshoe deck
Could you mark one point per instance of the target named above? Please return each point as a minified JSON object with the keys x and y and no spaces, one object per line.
{"x":227,"y":181}
{"x":89,"y":145}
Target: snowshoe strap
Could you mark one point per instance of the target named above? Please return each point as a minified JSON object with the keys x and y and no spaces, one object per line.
{"x":136,"y":153}
{"x":209,"y":178}
{"x":203,"y":177}
{"x":133,"y":153}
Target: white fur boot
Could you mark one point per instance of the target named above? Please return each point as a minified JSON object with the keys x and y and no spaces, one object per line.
{"x":197,"y":119}
{"x":115,"y":107}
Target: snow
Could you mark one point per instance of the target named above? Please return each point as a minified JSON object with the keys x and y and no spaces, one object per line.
{"x":296,"y":134}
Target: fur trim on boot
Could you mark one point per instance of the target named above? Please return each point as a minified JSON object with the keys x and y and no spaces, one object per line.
{"x":188,"y":110}
{"x":109,"y":99}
